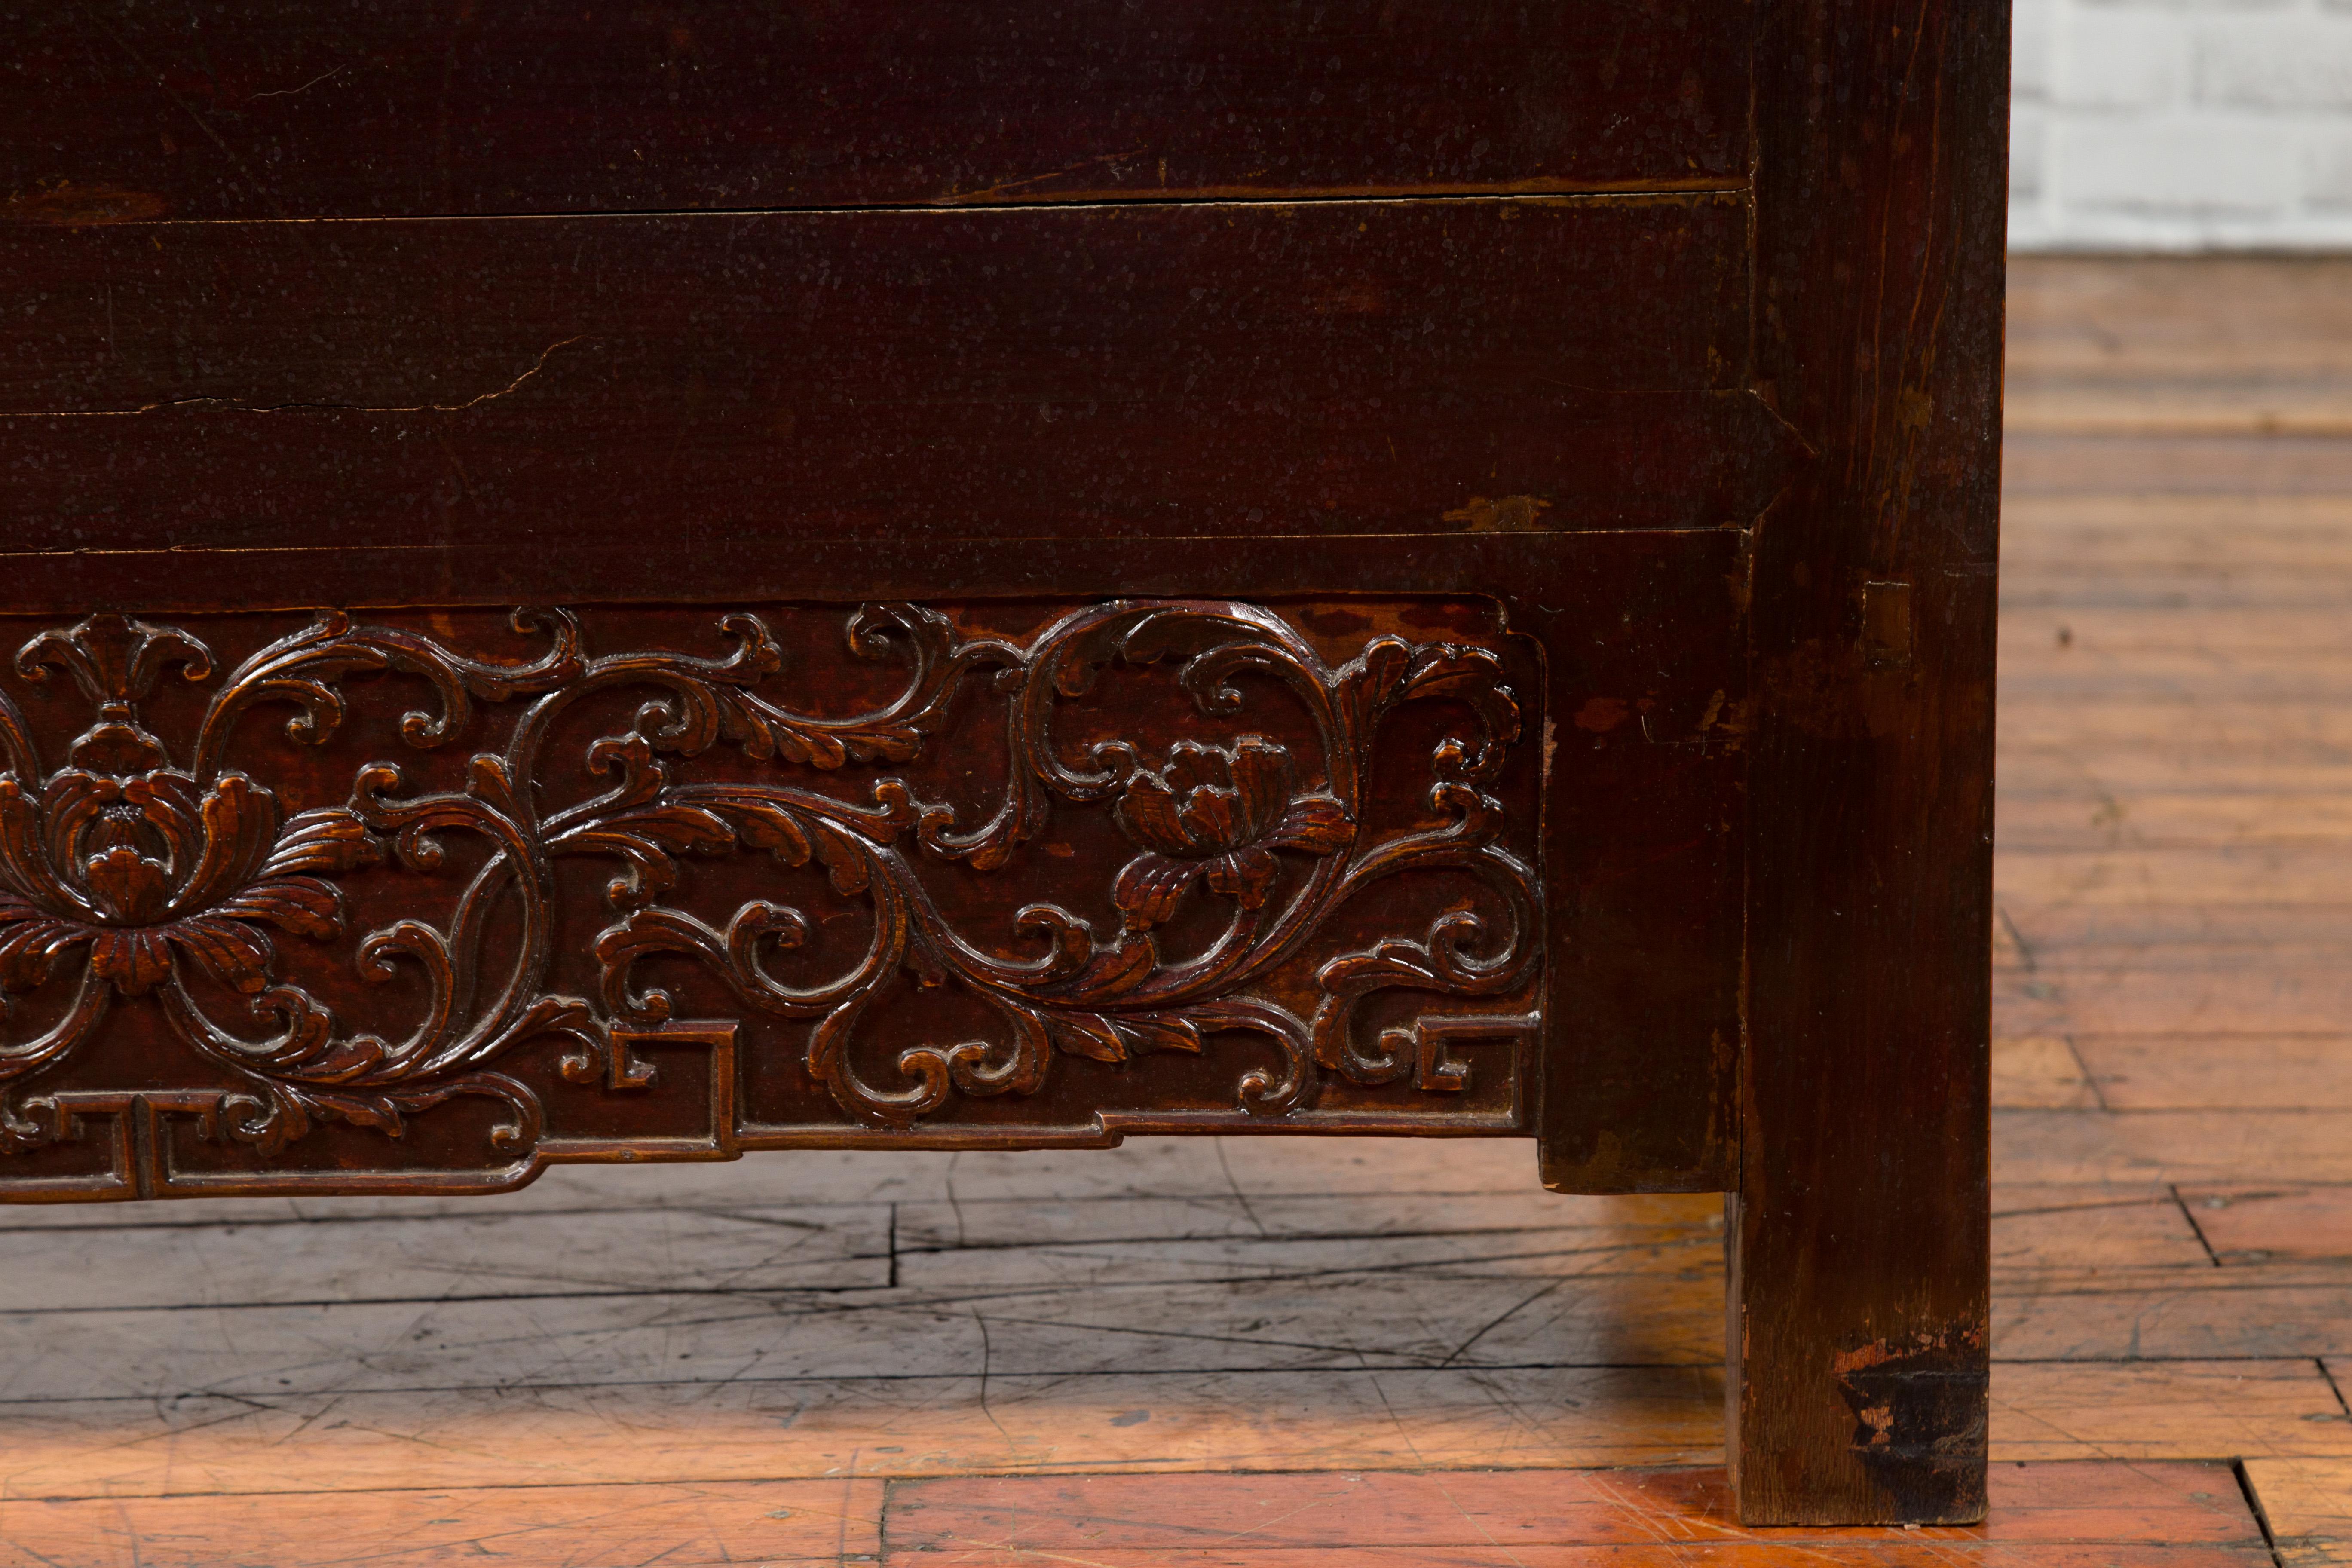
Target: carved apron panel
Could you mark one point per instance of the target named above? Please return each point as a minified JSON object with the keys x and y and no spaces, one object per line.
{"x":424,"y":899}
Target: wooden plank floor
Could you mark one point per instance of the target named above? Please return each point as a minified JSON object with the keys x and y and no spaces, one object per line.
{"x":2173,"y":1044}
{"x":1352,"y":1353}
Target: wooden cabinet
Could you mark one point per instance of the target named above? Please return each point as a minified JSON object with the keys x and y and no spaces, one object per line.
{"x":1198,"y":568}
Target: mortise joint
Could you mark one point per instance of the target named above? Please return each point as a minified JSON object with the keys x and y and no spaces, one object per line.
{"x":1887,"y":625}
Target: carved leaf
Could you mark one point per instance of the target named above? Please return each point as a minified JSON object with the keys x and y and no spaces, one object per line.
{"x":303,"y":905}
{"x":328,"y":839}
{"x":1120,"y":1037}
{"x":1471,"y":675}
{"x":764,"y":825}
{"x":30,"y":943}
{"x":646,"y":838}
{"x":232,"y":952}
{"x":769,"y":732}
{"x":1149,"y":887}
{"x":1315,"y":823}
{"x":1086,"y":1034}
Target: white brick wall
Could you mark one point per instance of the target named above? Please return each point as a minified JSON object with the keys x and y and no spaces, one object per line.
{"x":2182,"y":125}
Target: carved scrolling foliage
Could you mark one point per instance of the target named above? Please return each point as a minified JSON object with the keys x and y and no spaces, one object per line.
{"x":124,"y":870}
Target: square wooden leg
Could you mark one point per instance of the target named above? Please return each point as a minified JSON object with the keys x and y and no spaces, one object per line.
{"x":1859,"y":1230}
{"x":1846,"y":1404}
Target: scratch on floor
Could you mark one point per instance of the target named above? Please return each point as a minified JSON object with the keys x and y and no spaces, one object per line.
{"x":1501,"y":1318}
{"x":1470,"y":1520}
{"x":1239,"y":1196}
{"x":987,"y":1354}
{"x":1403,"y":1431}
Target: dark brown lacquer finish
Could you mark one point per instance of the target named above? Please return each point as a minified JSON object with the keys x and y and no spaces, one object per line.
{"x":975,"y":893}
{"x":1091,"y":373}
{"x":118,"y":109}
{"x":1176,"y":567}
{"x":1860,"y":1240}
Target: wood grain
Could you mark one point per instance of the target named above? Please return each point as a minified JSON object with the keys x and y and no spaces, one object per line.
{"x":1740,"y":1554}
{"x":2260,"y":340}
{"x":2137,"y":1313}
{"x":2043,"y":1515}
{"x":2226,"y":1070}
{"x":1860,"y":1215}
{"x":2042,"y":1231}
{"x":2308,"y":1504}
{"x":1096,"y":372}
{"x":2259,"y":1225}
{"x":2190,"y":1146}
{"x":2170,"y":1409}
{"x":2142,"y":992}
{"x":749,"y":1429}
{"x":786,"y":1524}
{"x":2039,"y":1072}
{"x":2039,"y":1513}
{"x":119,"y":112}
{"x":2207,"y":465}
{"x":2173,"y":786}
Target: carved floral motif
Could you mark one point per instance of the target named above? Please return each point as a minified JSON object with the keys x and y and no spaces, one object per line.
{"x":124,"y":873}
{"x":1219,"y":815}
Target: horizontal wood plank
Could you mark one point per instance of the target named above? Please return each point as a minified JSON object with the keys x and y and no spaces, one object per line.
{"x":2158,"y":319}
{"x":2250,"y":874}
{"x":1465,"y":1517}
{"x":445,"y":1258}
{"x":1216,"y":1180}
{"x":2137,"y":993}
{"x":2218,"y":1071}
{"x":1738,"y":1554}
{"x":2184,"y":1146}
{"x":2308,"y":1505}
{"x":2177,"y":1409}
{"x":279,"y":110}
{"x":1253,"y":1421}
{"x":2309,"y":632}
{"x":1098,"y":372}
{"x":2169,"y":821}
{"x":2176,"y":1314}
{"x":782,"y":1524}
{"x":2252,"y":728}
{"x":2102,"y":533}
{"x":2166,"y":463}
{"x":1257,"y":1420}
{"x":2247,"y":1225}
{"x":2188,"y":591}
{"x":1216,"y":1328}
{"x":2039,"y":1072}
{"x":2074,"y":1229}
{"x":2106,"y":931}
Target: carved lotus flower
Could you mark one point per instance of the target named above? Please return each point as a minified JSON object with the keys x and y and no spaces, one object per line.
{"x":127,"y":856}
{"x":1221,"y":815}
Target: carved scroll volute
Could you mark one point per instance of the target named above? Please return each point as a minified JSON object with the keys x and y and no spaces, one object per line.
{"x":129,"y":869}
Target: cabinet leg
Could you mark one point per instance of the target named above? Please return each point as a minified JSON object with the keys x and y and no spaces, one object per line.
{"x":1855,"y":1385}
{"x":1859,"y":1250}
